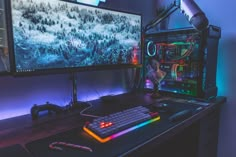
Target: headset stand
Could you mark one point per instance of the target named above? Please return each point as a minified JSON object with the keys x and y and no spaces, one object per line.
{"x":155,"y":94}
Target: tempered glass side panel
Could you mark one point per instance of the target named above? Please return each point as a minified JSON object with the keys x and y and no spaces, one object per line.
{"x":178,"y":59}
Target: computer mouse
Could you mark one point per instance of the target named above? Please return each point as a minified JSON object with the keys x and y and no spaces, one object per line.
{"x":161,"y":107}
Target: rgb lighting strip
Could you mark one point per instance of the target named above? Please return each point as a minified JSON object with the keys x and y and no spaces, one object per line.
{"x":103,"y":140}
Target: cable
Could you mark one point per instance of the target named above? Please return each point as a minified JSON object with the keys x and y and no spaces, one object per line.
{"x":174,"y":74}
{"x":88,"y":115}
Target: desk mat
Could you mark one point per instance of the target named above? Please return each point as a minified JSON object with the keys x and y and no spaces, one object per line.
{"x":14,"y":151}
{"x":40,"y":148}
{"x":117,"y":147}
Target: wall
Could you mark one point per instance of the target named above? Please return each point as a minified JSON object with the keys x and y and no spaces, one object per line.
{"x":18,"y":94}
{"x":221,"y":13}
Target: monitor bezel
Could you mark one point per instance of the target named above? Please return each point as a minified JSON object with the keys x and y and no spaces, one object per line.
{"x":66,"y":69}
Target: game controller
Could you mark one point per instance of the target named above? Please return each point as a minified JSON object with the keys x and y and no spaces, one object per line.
{"x":46,"y":107}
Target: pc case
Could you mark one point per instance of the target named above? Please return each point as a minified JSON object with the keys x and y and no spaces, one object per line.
{"x":187,"y":58}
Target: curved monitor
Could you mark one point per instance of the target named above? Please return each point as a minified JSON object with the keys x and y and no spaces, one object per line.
{"x":60,"y":36}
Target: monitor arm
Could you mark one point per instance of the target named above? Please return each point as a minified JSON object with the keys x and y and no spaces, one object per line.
{"x":189,"y":8}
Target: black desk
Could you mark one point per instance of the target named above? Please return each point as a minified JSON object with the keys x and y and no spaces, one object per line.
{"x":14,"y":151}
{"x":193,"y":137}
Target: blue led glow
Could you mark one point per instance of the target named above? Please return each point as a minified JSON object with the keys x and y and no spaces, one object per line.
{"x":91,"y":2}
{"x":9,"y":110}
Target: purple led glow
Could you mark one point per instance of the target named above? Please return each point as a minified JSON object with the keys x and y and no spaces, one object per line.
{"x":148,"y":84}
{"x":14,"y":113}
{"x":18,"y":95}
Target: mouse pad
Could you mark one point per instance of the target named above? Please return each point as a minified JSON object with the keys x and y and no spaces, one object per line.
{"x":14,"y":151}
{"x":175,"y":106}
{"x":40,"y":148}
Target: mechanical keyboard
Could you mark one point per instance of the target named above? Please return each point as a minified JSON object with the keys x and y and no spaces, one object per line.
{"x":114,"y":125}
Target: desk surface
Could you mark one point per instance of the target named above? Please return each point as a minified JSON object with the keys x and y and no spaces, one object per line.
{"x":35,"y":136}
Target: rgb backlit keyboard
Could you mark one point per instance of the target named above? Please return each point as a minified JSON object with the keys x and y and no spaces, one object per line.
{"x":114,"y":125}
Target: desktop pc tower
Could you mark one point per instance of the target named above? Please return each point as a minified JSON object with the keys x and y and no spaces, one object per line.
{"x":182,"y":61}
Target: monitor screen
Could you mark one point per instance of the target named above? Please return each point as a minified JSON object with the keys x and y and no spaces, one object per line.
{"x":54,"y":35}
{"x":4,"y":55}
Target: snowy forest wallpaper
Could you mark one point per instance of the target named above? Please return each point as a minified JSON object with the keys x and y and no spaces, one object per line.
{"x":50,"y":34}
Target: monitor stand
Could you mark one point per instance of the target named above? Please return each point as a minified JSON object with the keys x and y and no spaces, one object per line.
{"x":75,"y":104}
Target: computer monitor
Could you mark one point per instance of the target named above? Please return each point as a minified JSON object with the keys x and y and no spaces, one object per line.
{"x":4,"y":55}
{"x":48,"y":36}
